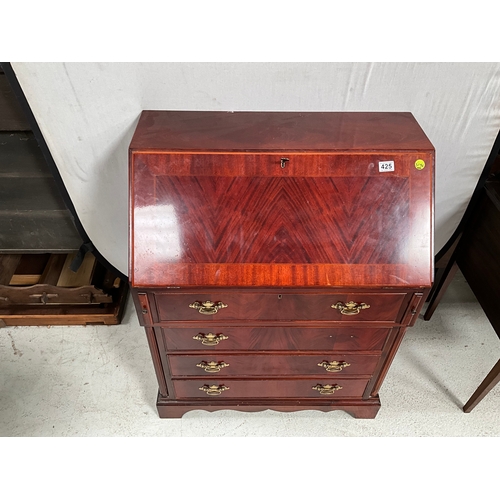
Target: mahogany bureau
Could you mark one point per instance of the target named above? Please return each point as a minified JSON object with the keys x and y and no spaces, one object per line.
{"x":277,"y":258}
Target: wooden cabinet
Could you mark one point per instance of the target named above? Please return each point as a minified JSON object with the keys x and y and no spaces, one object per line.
{"x":277,"y":258}
{"x":40,"y":246}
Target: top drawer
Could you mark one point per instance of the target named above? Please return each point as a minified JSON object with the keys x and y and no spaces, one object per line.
{"x":273,"y":306}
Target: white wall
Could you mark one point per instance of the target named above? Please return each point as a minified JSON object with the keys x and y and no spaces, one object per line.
{"x":88,"y":111}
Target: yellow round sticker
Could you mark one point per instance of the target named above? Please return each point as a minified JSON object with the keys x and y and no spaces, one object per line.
{"x":420,"y":164}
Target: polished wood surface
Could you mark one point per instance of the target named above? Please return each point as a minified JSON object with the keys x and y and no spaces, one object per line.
{"x":358,"y":408}
{"x":275,"y":338}
{"x":266,"y":305}
{"x":274,"y":218}
{"x":217,"y":215}
{"x":290,"y":131}
{"x":258,"y":365}
{"x":271,"y":388}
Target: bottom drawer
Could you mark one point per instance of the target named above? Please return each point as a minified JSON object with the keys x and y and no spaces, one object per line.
{"x":334,"y":388}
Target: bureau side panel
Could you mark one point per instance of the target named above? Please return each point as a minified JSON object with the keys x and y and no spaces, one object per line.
{"x":274,"y":365}
{"x":155,"y":342}
{"x":159,"y":363}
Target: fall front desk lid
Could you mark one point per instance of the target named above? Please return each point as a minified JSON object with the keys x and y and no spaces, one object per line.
{"x":280,"y":200}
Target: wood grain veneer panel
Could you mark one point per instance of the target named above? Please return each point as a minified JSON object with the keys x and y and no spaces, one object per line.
{"x":270,"y":306}
{"x":286,"y":220}
{"x":258,"y":365}
{"x":269,"y":388}
{"x":279,"y":275}
{"x":239,"y":211}
{"x":276,"y":338}
{"x":244,"y":164}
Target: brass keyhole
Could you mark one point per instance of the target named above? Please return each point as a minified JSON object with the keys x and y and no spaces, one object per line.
{"x":280,"y":296}
{"x":283,"y":162}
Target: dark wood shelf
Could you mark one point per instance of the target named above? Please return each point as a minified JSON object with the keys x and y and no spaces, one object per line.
{"x":33,"y":216}
{"x":11,"y":114}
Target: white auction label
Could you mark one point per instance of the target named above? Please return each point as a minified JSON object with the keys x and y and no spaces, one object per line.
{"x":386,"y":166}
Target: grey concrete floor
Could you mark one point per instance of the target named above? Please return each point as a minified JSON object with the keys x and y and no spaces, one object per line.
{"x":99,"y":381}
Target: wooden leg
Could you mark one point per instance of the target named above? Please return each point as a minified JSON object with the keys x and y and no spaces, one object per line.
{"x":439,"y":273}
{"x":440,"y":289}
{"x":488,"y":383}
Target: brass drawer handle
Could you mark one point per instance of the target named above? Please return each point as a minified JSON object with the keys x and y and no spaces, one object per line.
{"x":210,"y":338}
{"x":212,"y":366}
{"x":214,"y":390}
{"x":327,"y":389}
{"x":350,"y":308}
{"x":334,"y":366}
{"x":207,"y":307}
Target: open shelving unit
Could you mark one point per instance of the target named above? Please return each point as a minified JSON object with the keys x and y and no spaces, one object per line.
{"x":45,"y":278}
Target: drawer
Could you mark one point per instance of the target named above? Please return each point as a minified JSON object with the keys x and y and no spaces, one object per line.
{"x":267,"y":165}
{"x":273,"y":306}
{"x":244,"y":389}
{"x":241,"y":365}
{"x":230,"y":338}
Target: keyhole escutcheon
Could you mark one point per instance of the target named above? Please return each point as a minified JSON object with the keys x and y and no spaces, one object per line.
{"x":283,"y":162}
